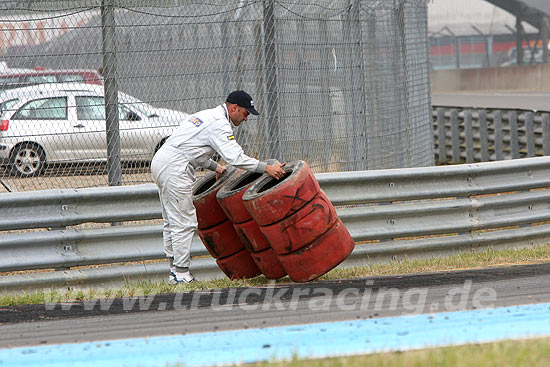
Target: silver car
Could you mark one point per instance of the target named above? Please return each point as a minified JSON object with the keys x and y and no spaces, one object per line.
{"x":60,"y":123}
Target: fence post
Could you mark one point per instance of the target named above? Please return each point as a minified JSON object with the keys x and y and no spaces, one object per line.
{"x":355,"y":96}
{"x":457,"y":51}
{"x":306,"y":146}
{"x":259,"y":79}
{"x":325,"y":85}
{"x":271,"y":85}
{"x":111,"y":93}
{"x":403,"y":94}
{"x":226,"y":67}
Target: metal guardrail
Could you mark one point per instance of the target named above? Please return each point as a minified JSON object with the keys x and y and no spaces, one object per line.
{"x":399,"y":212}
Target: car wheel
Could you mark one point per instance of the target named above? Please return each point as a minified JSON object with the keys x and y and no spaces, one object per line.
{"x":160,"y":144}
{"x":27,"y":160}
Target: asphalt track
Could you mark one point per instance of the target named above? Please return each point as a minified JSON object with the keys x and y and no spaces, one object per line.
{"x":525,"y":100}
{"x":274,"y":305}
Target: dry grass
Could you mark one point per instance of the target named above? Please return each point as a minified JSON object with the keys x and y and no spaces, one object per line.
{"x":517,"y":353}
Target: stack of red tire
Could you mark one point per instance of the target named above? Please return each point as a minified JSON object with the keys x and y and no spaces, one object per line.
{"x":299,"y":222}
{"x":217,"y":232}
{"x":230,"y":199}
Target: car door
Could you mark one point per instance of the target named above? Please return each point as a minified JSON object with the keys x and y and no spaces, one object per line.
{"x":46,"y":122}
{"x":137,"y":137}
{"x":90,"y":129}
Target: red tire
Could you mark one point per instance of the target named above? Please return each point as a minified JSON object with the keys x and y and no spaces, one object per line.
{"x":251,"y":236}
{"x":239,"y":265}
{"x":221,"y":240}
{"x":269,"y":264}
{"x":230,"y":195}
{"x":209,"y":212}
{"x":269,"y":200}
{"x":320,"y":256}
{"x":302,"y":227}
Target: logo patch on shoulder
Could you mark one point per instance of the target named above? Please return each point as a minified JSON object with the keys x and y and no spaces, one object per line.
{"x":195,"y":120}
{"x":231,"y":137}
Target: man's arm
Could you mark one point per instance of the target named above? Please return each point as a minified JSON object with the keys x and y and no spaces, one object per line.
{"x":219,"y":170}
{"x":223,"y":141}
{"x":276,"y":170}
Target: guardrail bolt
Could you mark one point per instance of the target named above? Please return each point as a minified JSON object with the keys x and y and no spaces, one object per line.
{"x":64,"y":207}
{"x":68,"y":248}
{"x":391,"y":185}
{"x":391,"y":221}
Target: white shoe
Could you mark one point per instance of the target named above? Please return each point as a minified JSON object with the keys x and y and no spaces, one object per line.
{"x":185,"y":278}
{"x":172,"y":278}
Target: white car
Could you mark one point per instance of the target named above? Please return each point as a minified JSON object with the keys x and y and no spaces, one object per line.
{"x":60,"y":123}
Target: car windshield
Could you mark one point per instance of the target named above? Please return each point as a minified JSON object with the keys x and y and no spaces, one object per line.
{"x":39,"y":79}
{"x":143,"y":107}
{"x":9,"y":83}
{"x":70,"y":77}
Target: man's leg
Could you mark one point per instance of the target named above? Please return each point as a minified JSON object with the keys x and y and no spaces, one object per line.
{"x":166,"y":232}
{"x":159,"y":174}
{"x":182,"y":218}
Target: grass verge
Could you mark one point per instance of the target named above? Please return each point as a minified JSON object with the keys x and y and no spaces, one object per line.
{"x":462,"y":260}
{"x":513,"y":353}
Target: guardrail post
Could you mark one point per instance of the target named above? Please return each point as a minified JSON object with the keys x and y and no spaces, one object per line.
{"x":546,"y":133}
{"x":499,"y":152}
{"x":530,"y":134}
{"x":455,"y":136}
{"x":514,"y":137}
{"x":469,"y":137}
{"x":483,"y":136}
{"x":441,"y":138}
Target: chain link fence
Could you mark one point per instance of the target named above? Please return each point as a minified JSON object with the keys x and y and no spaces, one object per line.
{"x":341,"y":84}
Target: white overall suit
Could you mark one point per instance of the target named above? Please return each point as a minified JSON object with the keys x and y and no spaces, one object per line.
{"x":173,"y":170}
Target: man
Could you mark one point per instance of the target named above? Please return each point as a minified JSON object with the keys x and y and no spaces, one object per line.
{"x":173,"y":170}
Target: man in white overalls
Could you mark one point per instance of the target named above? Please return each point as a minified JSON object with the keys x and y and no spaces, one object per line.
{"x":173,"y":170}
